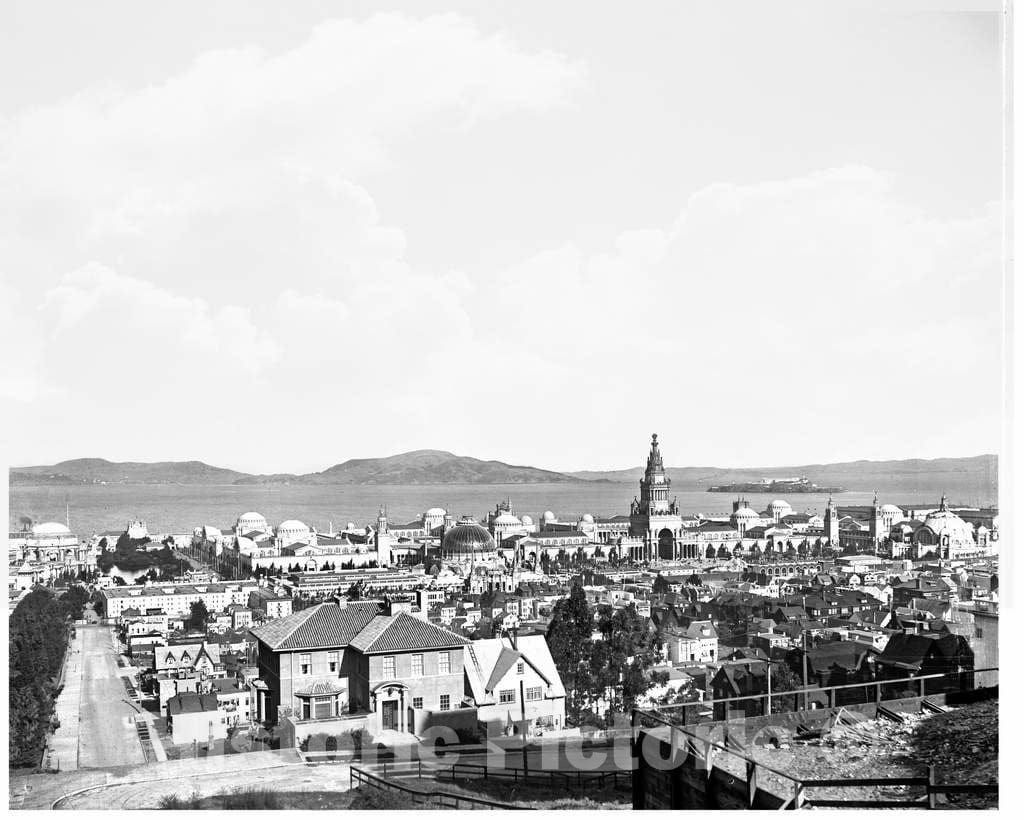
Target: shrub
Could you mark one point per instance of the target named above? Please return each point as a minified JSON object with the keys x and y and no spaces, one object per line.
{"x":251,"y":798}
{"x":175,"y":803}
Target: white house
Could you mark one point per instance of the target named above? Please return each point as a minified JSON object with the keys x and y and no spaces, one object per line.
{"x":504,"y":677}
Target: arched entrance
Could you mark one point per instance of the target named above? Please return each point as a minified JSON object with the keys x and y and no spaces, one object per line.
{"x":666,"y":543}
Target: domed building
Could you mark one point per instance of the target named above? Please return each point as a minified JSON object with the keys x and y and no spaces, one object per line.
{"x":548,"y":518}
{"x":292,"y":532}
{"x":468,"y":542}
{"x":433,"y":518}
{"x":778,"y":509}
{"x":946,"y":534}
{"x":504,"y":523}
{"x":527,"y":522}
{"x":743,"y":517}
{"x":251,"y":522}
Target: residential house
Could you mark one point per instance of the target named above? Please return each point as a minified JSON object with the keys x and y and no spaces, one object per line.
{"x":195,"y":718}
{"x":515,"y":686}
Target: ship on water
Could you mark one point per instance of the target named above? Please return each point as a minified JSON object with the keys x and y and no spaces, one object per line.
{"x":798,"y":484}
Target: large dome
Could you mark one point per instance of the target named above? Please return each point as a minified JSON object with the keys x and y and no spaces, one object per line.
{"x":291,"y":531}
{"x":250,"y":521}
{"x":587,"y":518}
{"x":779,"y":504}
{"x":944,"y":523}
{"x":891,"y":509}
{"x":527,"y":521}
{"x":50,"y":528}
{"x":465,"y":539}
{"x":745,"y":512}
{"x":549,"y":517}
{"x":507,"y":519}
{"x":435,"y":511}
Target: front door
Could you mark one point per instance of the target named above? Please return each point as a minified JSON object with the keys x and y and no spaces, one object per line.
{"x":390,"y":715}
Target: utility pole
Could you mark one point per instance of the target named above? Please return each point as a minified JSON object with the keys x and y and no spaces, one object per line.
{"x":522,"y":704}
{"x":768,"y":710}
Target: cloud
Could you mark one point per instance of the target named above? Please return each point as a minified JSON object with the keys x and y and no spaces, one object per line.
{"x":150,"y":325}
{"x":196,"y":173}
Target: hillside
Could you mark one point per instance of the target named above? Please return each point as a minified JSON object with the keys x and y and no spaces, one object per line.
{"x":962,"y":477}
{"x":423,"y":467}
{"x":417,"y":467}
{"x":964,"y":480}
{"x":99,"y":470}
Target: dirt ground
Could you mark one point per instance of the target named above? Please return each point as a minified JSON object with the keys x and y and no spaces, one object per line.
{"x":962,"y":744}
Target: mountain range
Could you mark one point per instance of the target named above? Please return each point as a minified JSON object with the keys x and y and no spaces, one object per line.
{"x":977,"y":474}
{"x":417,"y":467}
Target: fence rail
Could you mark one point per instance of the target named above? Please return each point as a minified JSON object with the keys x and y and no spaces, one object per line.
{"x":443,"y":799}
{"x":699,"y":748}
{"x":545,"y":776}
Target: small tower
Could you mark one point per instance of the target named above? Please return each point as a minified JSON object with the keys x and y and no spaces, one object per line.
{"x":877,"y":525}
{"x":831,"y":523}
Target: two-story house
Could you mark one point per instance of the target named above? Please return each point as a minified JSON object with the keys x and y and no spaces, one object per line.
{"x":407,"y":672}
{"x":515,"y":686}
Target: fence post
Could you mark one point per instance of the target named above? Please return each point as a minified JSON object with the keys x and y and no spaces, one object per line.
{"x":751,"y":782}
{"x":798,"y":794}
{"x":419,"y":769}
{"x":921,"y":686}
{"x":878,"y":693}
{"x":931,"y":783}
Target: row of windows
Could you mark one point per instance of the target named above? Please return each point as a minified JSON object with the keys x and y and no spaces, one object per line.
{"x":509,"y":695}
{"x":444,"y":665}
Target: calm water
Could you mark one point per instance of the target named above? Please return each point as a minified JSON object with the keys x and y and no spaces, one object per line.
{"x":171,"y":508}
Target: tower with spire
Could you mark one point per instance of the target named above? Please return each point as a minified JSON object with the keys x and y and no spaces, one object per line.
{"x":831,"y":522}
{"x":653,"y":517}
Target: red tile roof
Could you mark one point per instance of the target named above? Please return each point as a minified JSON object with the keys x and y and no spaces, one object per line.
{"x":403,"y":633}
{"x":320,"y":626}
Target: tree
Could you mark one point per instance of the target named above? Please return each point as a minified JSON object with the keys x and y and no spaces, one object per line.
{"x":661,"y":585}
{"x":568,"y":638}
{"x":198,"y":616}
{"x":694,"y":580}
{"x":783,"y":680}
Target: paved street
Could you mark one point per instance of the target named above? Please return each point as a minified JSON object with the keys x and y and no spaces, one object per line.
{"x":97,"y":726}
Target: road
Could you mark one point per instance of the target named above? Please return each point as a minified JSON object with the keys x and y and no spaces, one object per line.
{"x":97,"y":726}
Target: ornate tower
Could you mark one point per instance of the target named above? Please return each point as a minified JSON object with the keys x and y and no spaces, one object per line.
{"x":653,"y":517}
{"x":654,"y":486}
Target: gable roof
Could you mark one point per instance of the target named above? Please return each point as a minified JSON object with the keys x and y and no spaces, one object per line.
{"x":323,"y":625}
{"x":488,"y":660}
{"x":403,"y":632}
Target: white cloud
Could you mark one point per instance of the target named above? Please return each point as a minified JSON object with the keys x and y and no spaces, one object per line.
{"x":151,"y":324}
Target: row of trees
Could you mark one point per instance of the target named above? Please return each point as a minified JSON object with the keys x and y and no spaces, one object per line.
{"x":38,"y":641}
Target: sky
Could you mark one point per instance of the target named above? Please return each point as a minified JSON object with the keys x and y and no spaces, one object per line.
{"x":273,"y":237}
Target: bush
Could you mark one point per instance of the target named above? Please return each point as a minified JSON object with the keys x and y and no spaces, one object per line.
{"x":251,"y":798}
{"x":175,"y":803}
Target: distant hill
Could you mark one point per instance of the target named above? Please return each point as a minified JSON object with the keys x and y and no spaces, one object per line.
{"x":965,"y":480}
{"x":969,"y":479}
{"x":417,"y":467}
{"x":99,"y":471}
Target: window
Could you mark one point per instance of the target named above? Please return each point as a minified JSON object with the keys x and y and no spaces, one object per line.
{"x":417,"y":703}
{"x":520,"y":667}
{"x":305,"y":664}
{"x":446,"y":702}
{"x":389,"y":666}
{"x":534,"y":693}
{"x":444,"y":663}
{"x":332,"y":661}
{"x":507,"y":696}
{"x":417,"y":666}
